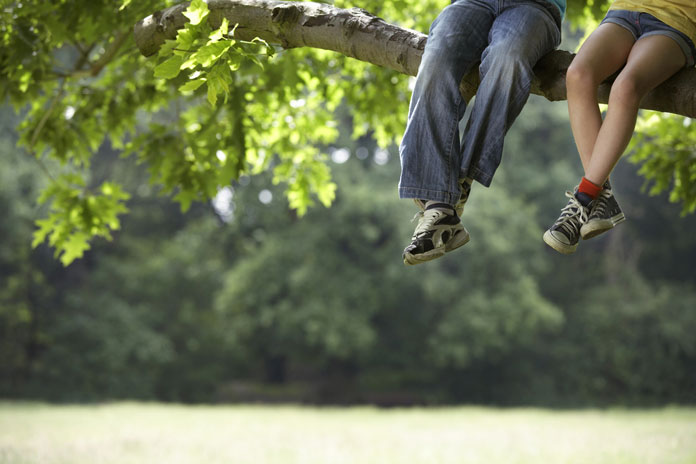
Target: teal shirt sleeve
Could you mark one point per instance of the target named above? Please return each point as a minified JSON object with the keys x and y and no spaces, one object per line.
{"x":561,"y":4}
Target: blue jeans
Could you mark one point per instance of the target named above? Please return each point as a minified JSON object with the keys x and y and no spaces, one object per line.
{"x":508,"y":37}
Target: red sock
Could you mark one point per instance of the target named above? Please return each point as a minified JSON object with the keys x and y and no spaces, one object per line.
{"x":588,"y":188}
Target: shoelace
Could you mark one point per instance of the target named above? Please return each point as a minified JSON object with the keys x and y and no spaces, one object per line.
{"x":602,"y":203}
{"x":571,"y":211}
{"x":425,"y":221}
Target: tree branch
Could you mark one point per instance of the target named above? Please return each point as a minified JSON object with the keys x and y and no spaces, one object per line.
{"x":106,"y":57}
{"x":358,"y":34}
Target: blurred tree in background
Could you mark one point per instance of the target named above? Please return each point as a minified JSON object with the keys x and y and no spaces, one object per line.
{"x":239,"y":299}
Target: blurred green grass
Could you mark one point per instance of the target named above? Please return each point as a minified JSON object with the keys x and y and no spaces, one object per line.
{"x":162,"y":433}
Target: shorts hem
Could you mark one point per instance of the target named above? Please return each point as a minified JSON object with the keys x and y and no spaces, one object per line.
{"x":679,"y":40}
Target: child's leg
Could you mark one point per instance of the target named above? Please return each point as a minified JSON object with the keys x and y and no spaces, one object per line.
{"x":602,"y":54}
{"x":652,"y":60}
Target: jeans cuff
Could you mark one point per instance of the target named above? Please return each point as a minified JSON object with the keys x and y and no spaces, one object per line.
{"x":429,"y":195}
{"x":481,"y":177}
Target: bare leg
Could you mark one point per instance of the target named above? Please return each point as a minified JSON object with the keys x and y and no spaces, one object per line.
{"x":602,"y":54}
{"x":652,"y":60}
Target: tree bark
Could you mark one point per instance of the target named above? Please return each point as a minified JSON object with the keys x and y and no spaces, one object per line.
{"x":359,"y":34}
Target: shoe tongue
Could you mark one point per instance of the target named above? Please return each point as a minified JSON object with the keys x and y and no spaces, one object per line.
{"x":583,"y":198}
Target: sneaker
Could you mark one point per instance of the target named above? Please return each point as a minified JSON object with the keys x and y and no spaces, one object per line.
{"x":465,"y":189}
{"x":605,"y":213}
{"x":439,"y":231}
{"x":564,"y":234}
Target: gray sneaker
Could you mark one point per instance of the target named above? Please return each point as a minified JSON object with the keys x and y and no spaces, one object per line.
{"x":564,"y":234}
{"x":439,"y":231}
{"x":605,"y":213}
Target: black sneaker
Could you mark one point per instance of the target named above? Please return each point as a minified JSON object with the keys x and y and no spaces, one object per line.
{"x":564,"y":234}
{"x":439,"y":231}
{"x":605,"y":213}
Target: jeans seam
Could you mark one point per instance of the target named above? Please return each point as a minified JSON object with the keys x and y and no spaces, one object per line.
{"x":522,"y":96}
{"x":453,"y":132}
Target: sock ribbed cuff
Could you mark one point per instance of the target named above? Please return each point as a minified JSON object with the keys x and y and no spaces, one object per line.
{"x":589,"y":188}
{"x":439,"y":205}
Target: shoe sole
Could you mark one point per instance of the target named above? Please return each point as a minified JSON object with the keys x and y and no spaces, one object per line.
{"x":599,"y":226}
{"x":557,"y":245}
{"x":460,"y":239}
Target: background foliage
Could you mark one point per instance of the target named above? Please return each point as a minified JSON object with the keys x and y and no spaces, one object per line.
{"x":226,"y":294}
{"x":239,"y":299}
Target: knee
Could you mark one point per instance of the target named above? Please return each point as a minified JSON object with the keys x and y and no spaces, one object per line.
{"x":580,"y":76}
{"x":435,"y":58}
{"x":436,"y":64}
{"x":627,"y":89}
{"x":504,"y":60}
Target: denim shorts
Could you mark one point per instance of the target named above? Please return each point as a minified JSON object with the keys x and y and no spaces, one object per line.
{"x":644,"y":24}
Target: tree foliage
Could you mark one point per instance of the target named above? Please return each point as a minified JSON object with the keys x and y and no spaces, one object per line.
{"x":206,"y":111}
{"x":664,"y":146}
{"x":81,"y":83}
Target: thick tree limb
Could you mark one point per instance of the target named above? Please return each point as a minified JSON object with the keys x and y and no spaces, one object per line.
{"x":358,"y":34}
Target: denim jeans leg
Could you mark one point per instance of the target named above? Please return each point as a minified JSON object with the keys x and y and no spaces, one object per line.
{"x":430,"y":149}
{"x":521,"y":34}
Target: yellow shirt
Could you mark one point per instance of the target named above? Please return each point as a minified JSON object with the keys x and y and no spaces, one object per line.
{"x":680,"y":14}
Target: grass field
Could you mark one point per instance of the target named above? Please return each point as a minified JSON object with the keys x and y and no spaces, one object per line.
{"x":126,"y":433}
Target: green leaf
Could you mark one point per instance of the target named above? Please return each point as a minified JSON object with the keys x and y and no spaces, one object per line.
{"x":212,"y":94}
{"x":170,"y":68}
{"x":221,"y":33}
{"x":234,"y":61}
{"x":184,"y":198}
{"x":24,"y":81}
{"x":186,"y":37}
{"x":74,"y":247}
{"x":326,"y":193}
{"x":167,"y":47}
{"x":219,"y":81}
{"x":45,"y":226}
{"x":197,"y":11}
{"x":210,"y":53}
{"x":192,"y":85}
